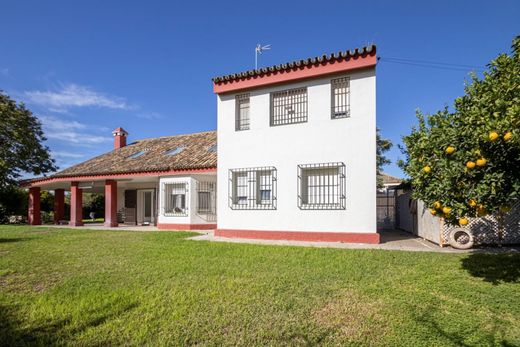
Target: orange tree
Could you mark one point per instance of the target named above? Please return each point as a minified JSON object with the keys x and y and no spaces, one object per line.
{"x":466,"y":163}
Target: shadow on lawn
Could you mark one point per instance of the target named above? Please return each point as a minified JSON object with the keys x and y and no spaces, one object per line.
{"x":14,"y":332}
{"x":493,"y":268}
{"x":456,"y":335}
{"x":13,"y":239}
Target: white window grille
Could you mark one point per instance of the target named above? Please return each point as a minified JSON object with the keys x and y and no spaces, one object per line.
{"x":175,"y":199}
{"x":321,"y":186}
{"x":340,"y":94}
{"x":207,"y":200}
{"x":252,"y":188}
{"x":242,"y":112}
{"x":289,"y":106}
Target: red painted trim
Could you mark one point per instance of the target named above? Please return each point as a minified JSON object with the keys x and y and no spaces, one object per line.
{"x":300,"y":235}
{"x":111,"y":204}
{"x":297,"y":73}
{"x":168,"y":226}
{"x":45,"y":180}
{"x":76,"y":205}
{"x":34,"y":215}
{"x":59,"y":205}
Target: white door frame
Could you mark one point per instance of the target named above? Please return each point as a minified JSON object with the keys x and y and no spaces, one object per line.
{"x":140,"y":205}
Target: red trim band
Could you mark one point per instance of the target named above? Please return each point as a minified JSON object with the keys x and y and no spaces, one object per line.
{"x":297,"y":73}
{"x":168,"y":226}
{"x":372,"y":238}
{"x":37,"y":181}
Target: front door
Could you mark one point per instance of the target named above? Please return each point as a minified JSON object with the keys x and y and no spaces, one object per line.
{"x":147,"y":206}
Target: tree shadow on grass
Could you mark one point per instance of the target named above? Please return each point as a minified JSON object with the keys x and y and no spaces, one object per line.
{"x":494,"y":268}
{"x":13,"y":239}
{"x":488,"y":338}
{"x":15,"y":332}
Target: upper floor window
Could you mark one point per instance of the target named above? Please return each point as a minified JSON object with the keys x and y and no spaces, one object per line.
{"x":340,"y":93}
{"x":242,"y":112}
{"x":252,"y":188}
{"x":321,"y":186}
{"x":289,"y":106}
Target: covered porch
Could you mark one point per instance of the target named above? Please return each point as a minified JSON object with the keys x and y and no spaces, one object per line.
{"x":129,"y":201}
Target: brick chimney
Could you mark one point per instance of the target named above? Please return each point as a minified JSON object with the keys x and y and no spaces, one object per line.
{"x":119,"y":138}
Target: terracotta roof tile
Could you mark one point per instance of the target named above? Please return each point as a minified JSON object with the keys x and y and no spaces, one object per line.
{"x":194,"y":156}
{"x":353,"y":53}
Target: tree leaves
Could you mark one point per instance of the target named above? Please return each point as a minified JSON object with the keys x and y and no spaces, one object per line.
{"x":490,"y":105}
{"x":21,"y":148}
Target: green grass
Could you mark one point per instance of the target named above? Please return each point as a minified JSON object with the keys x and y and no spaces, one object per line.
{"x":64,"y":286}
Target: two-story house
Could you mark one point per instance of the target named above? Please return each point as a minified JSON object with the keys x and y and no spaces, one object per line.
{"x":296,"y":160}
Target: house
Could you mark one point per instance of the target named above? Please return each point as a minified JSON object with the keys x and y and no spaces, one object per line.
{"x":296,"y":160}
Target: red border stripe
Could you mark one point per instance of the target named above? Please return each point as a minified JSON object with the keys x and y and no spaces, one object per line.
{"x":168,"y":226}
{"x":372,"y":238}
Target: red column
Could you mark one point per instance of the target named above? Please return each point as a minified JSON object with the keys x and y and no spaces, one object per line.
{"x":59,"y":205}
{"x":76,"y":205}
{"x":34,"y":217}
{"x":111,"y":203}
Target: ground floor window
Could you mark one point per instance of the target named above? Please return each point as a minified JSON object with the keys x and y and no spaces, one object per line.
{"x":175,"y":199}
{"x":252,"y":188}
{"x":321,"y":186}
{"x":206,"y":200}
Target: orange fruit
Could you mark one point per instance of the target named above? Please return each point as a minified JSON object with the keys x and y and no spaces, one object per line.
{"x":463,"y":221}
{"x":446,"y":210}
{"x":493,"y":136}
{"x":472,"y":203}
{"x":481,"y":162}
{"x":449,"y":150}
{"x":427,"y":169}
{"x":433,"y":211}
{"x":505,"y":209}
{"x":508,"y":136}
{"x":470,"y":164}
{"x":437,"y":205}
{"x":481,"y":211}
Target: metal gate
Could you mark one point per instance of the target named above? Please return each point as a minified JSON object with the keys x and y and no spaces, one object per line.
{"x":386,"y":210}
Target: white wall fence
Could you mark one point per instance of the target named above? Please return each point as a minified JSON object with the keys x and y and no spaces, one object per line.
{"x":413,"y":216}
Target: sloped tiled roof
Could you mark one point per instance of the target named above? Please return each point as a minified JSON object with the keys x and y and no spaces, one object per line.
{"x":387,"y":179}
{"x":194,"y":156}
{"x":325,"y":58}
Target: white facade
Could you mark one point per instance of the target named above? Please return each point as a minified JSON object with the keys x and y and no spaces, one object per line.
{"x":320,"y":140}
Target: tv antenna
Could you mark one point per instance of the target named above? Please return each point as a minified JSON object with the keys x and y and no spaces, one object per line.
{"x":258,"y":50}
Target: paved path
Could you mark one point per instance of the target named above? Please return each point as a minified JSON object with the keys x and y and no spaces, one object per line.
{"x":390,"y":240}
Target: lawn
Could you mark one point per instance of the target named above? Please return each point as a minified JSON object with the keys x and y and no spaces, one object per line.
{"x":64,"y":286}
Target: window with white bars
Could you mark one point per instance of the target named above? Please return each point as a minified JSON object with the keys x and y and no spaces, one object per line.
{"x":340,"y":93}
{"x":289,"y":106}
{"x":242,"y":112}
{"x":321,"y":186}
{"x":206,"y":200}
{"x":175,"y":199}
{"x":252,"y":188}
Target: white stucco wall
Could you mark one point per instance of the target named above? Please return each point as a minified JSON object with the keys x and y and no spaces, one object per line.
{"x":191,"y":202}
{"x":320,"y":140}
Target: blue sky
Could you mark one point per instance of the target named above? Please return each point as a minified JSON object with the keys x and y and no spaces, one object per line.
{"x":88,"y":67}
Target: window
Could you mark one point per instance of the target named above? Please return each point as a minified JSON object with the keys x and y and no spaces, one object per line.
{"x":175,"y":199}
{"x":206,"y":200}
{"x":212,"y":149}
{"x":289,"y":107}
{"x":242,"y":112}
{"x":321,"y":186}
{"x":340,"y":93}
{"x":174,"y":151}
{"x":252,"y":188}
{"x":136,"y":154}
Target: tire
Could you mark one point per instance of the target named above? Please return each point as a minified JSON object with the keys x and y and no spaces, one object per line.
{"x":461,"y":238}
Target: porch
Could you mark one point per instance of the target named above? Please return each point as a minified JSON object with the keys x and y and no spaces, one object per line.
{"x":144,"y":202}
